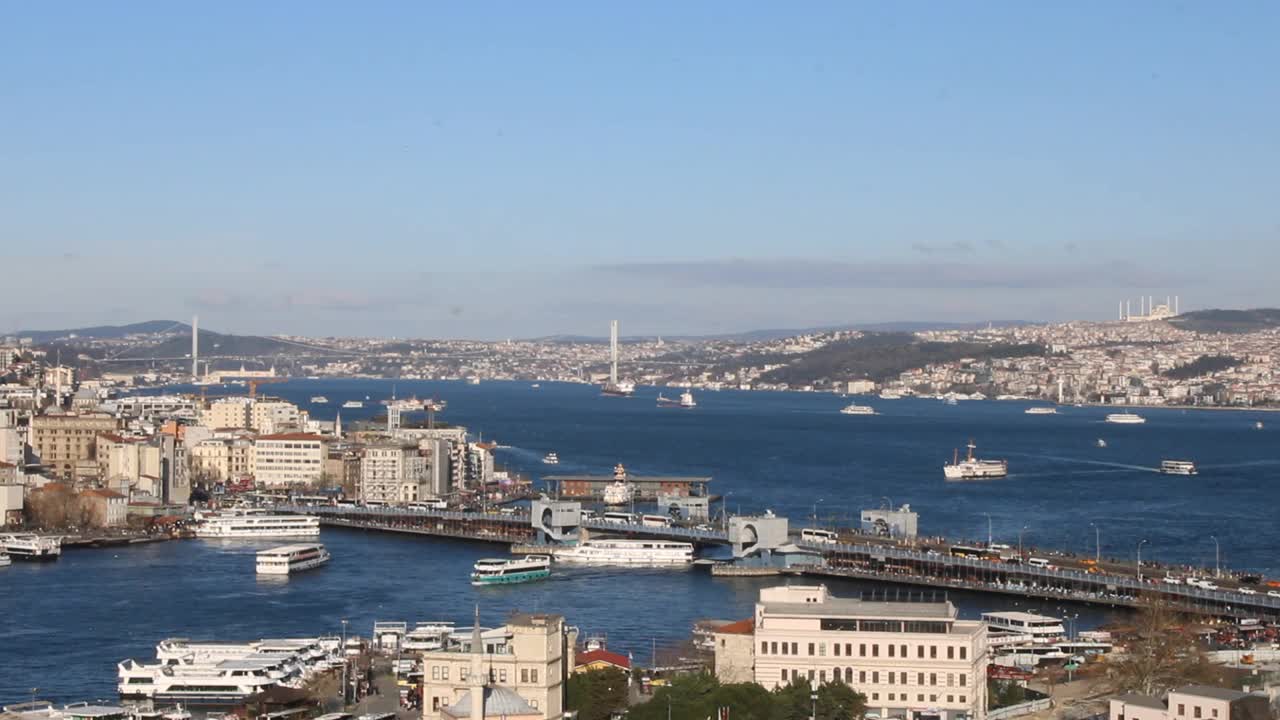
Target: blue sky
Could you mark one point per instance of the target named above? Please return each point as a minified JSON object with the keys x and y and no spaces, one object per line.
{"x":516,"y":169}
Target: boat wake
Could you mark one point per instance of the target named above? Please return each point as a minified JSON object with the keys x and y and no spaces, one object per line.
{"x":1250,"y":463}
{"x":1082,"y":461}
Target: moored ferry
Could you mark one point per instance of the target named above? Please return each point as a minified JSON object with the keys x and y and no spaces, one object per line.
{"x":31,"y":547}
{"x":1125,"y":418}
{"x":288,"y":559}
{"x":247,"y":524}
{"x":504,"y":571}
{"x":628,"y":552}
{"x":1178,"y":467}
{"x":972,"y":468}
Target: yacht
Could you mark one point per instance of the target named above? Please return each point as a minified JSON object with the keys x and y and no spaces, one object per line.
{"x":1126,"y":418}
{"x":973,"y":469}
{"x":856,"y":409}
{"x":1041,"y":410}
{"x":288,"y":559}
{"x":503,"y":571}
{"x":535,"y":386}
{"x":551,"y":459}
{"x":29,"y":546}
{"x":236,"y":524}
{"x":219,"y":673}
{"x":319,"y":399}
{"x":628,"y":552}
{"x":1178,"y":467}
{"x":353,"y":404}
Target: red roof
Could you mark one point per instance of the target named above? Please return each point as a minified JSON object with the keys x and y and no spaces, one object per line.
{"x":103,"y":493}
{"x":742,"y":627}
{"x":612,"y":658}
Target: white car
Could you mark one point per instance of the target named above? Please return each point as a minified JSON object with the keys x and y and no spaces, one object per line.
{"x":1273,"y":593}
{"x":1247,"y":591}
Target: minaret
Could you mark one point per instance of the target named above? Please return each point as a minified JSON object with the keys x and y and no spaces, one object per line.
{"x":337,"y":426}
{"x":479,"y":678}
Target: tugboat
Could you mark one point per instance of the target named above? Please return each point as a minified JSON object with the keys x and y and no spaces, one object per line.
{"x":973,"y":469}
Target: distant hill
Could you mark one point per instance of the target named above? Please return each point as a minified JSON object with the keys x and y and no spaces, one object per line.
{"x":105,"y":332}
{"x":1229,"y":321}
{"x":780,"y":333}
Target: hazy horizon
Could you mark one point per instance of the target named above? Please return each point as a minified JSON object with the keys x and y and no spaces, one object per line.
{"x":521,"y":171}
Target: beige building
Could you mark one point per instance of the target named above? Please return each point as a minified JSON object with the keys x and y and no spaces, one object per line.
{"x":1194,"y":702}
{"x":289,"y":459}
{"x":735,"y":659}
{"x":222,"y":459}
{"x":911,"y":659}
{"x":227,"y":413}
{"x":61,"y":440}
{"x":107,"y":508}
{"x":519,"y":670}
{"x":272,"y":415}
{"x":393,"y":473}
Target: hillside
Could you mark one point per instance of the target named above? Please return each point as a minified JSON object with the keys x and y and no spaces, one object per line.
{"x":106,"y":332}
{"x":880,"y":356}
{"x":1229,"y":321}
{"x":1201,"y":366}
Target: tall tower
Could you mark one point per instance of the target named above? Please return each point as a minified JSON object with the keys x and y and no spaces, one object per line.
{"x":613,"y":352}
{"x":479,"y":677}
{"x":195,"y":347}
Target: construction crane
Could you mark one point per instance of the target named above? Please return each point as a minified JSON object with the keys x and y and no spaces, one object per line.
{"x":255,"y":382}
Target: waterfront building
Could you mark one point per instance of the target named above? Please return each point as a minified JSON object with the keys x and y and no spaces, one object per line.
{"x":645,"y":487}
{"x":222,"y":458}
{"x":393,"y":473}
{"x":733,"y":644}
{"x":900,"y":523}
{"x":910,"y":658}
{"x":289,"y":459}
{"x":601,"y":659}
{"x":517,"y":671}
{"x":11,"y":499}
{"x":155,"y":466}
{"x":1192,"y":702}
{"x":155,"y":406}
{"x":61,"y":440}
{"x":106,"y":507}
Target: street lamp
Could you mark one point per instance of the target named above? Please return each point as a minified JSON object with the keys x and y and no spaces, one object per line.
{"x":343,"y":650}
{"x":1097,"y":543}
{"x":1140,"y":544}
{"x":1024,"y":529}
{"x":1217,"y":557}
{"x":815,"y":511}
{"x":813,"y":698}
{"x":988,"y":528}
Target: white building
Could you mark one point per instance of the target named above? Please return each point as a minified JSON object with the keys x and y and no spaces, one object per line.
{"x":273,"y":415}
{"x":288,"y":458}
{"x":911,"y":659}
{"x":227,"y":413}
{"x":393,"y":473}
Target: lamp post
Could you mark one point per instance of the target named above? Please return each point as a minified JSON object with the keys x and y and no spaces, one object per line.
{"x":343,"y":650}
{"x":1097,"y":543}
{"x":1140,"y":544}
{"x":813,"y":698}
{"x":1020,"y":532}
{"x":988,"y":528}
{"x":1217,"y":557}
{"x":815,"y":511}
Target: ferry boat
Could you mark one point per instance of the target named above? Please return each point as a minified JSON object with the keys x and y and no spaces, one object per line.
{"x":237,"y":524}
{"x":551,"y":459}
{"x":288,"y":559}
{"x":1178,"y":467}
{"x":619,"y":492}
{"x":1257,"y":425}
{"x":30,"y":547}
{"x":890,"y":395}
{"x":426,"y":636}
{"x":1126,"y":418}
{"x":1039,"y":629}
{"x":223,"y":678}
{"x":503,"y":571}
{"x":856,"y":409}
{"x":353,"y":404}
{"x":973,"y":469}
{"x":1041,"y":410}
{"x":319,"y":399}
{"x":628,"y":552}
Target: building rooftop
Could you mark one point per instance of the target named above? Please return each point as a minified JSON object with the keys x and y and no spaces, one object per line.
{"x":498,"y":702}
{"x":1145,"y":701}
{"x":741,"y":627}
{"x":294,"y":436}
{"x":1207,"y":691}
{"x":603,"y":655}
{"x":871,"y":609}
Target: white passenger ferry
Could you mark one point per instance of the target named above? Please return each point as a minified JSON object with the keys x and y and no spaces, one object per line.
{"x":247,"y":524}
{"x":1038,"y":629}
{"x":856,"y":409}
{"x":973,"y":469}
{"x":31,"y":547}
{"x":1041,"y":410}
{"x":220,"y":673}
{"x":505,"y":571}
{"x":1125,"y":418}
{"x":288,"y":559}
{"x":353,"y":404}
{"x":628,"y":552}
{"x":319,"y":399}
{"x":1178,"y":467}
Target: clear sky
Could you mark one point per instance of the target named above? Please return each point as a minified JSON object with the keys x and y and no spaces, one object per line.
{"x":486,"y":169}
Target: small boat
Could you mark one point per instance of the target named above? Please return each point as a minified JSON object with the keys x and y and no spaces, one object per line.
{"x":1041,"y":410}
{"x":856,"y":409}
{"x":178,"y":713}
{"x":319,"y":399}
{"x":1178,"y":467}
{"x":353,"y":404}
{"x":664,"y":401}
{"x":619,"y":492}
{"x":4,"y":560}
{"x":473,"y":381}
{"x":1257,"y":425}
{"x":1125,"y":418}
{"x":618,"y":551}
{"x":1101,"y":443}
{"x":551,"y":459}
{"x":505,"y":571}
{"x":535,"y":386}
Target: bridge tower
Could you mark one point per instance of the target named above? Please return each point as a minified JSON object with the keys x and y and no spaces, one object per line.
{"x":759,"y":535}
{"x":556,"y":521}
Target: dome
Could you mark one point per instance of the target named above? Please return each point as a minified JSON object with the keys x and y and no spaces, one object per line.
{"x":498,"y":701}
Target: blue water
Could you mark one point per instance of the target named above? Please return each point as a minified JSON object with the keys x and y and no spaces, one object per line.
{"x":64,"y":625}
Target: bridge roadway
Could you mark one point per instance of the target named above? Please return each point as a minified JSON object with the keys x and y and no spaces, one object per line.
{"x":881,"y":561}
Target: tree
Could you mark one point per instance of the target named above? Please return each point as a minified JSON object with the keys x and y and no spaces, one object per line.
{"x":697,"y":697}
{"x":323,"y":687}
{"x":1162,"y":654}
{"x":835,"y":700}
{"x":596,"y":695}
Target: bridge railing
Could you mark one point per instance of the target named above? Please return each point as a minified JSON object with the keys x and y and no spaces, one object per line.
{"x":674,"y":532}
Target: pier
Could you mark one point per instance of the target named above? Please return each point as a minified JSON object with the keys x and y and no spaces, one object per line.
{"x":878,"y":559}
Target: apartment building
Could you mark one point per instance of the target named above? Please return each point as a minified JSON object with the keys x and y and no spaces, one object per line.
{"x":227,"y":413}
{"x":289,"y":459}
{"x":518,"y":671}
{"x":393,"y":473}
{"x":62,"y":440}
{"x":1193,"y":702}
{"x":222,"y":459}
{"x":911,"y":659}
{"x":272,"y":415}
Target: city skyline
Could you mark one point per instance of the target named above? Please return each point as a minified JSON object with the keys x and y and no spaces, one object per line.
{"x":452,"y":172}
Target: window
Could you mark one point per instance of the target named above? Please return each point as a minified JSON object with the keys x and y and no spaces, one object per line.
{"x":822,"y":649}
{"x":933,"y":652}
{"x":920,"y":678}
{"x":902,"y":678}
{"x":835,"y":649}
{"x":463,"y":673}
{"x":524,"y":675}
{"x":862,"y":677}
{"x":875,"y":651}
{"x":811,"y":653}
{"x":875,"y":696}
{"x":1182,"y":709}
{"x":1214,"y":711}
{"x":961,"y":679}
{"x":822,"y":676}
{"x":1196,"y":709}
{"x":920,"y":651}
{"x":784,"y":674}
{"x":862,"y":649}
{"x":933,"y":678}
{"x":773,"y":648}
{"x":764,"y":647}
{"x":890,"y":651}
{"x":919,"y":697}
{"x":963,"y":652}
{"x":444,"y":673}
{"x":875,"y":677}
{"x":951,"y":653}
{"x":795,"y":648}
{"x":848,"y":649}
{"x":435,"y":704}
{"x":848,"y":675}
{"x":435,"y":672}
{"x":902,"y":651}
{"x":962,"y":699}
{"x":533,"y":704}
{"x":810,"y":676}
{"x":784,"y":649}
{"x":890,"y":678}
{"x":951,"y":698}
{"x":533,"y":675}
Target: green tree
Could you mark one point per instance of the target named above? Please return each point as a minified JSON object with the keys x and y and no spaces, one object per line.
{"x":836,"y":701}
{"x":598,"y":694}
